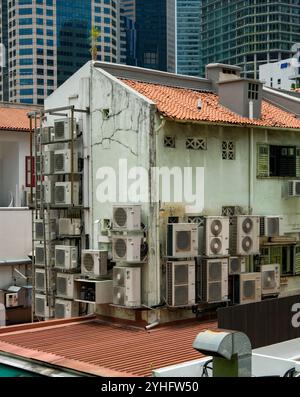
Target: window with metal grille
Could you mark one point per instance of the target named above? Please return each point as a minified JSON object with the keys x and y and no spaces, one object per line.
{"x":231,"y":210}
{"x":228,"y":150}
{"x":196,"y":143}
{"x":198,"y":220}
{"x":29,"y":171}
{"x":169,"y":141}
{"x":253,"y":91}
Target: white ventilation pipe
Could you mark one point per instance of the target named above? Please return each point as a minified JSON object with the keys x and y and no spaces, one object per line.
{"x":251,"y":110}
{"x":2,"y":315}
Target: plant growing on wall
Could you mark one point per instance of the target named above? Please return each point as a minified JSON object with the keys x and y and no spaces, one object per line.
{"x":94,"y":37}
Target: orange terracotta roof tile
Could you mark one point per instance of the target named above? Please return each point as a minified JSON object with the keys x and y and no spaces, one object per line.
{"x":14,"y":119}
{"x":103,"y":349}
{"x":181,"y":104}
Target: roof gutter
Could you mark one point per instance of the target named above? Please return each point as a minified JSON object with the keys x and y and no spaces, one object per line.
{"x":231,"y":125}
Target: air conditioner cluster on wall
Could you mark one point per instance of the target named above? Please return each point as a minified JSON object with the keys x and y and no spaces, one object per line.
{"x":222,"y":247}
{"x":129,"y":249}
{"x":181,"y":251}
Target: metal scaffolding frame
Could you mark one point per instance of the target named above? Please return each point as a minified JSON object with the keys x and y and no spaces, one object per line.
{"x":41,"y":209}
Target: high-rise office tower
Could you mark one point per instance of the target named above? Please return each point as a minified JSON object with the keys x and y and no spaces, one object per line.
{"x":128,"y":7}
{"x":187,"y":34}
{"x":168,"y":35}
{"x":48,"y":40}
{"x":127,"y":32}
{"x":151,"y":31}
{"x":248,"y":33}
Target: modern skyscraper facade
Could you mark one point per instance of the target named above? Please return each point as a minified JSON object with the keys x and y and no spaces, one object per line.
{"x":48,"y":40}
{"x":127,"y":32}
{"x":128,"y":7}
{"x":151,"y":28}
{"x":187,"y":34}
{"x":248,"y":33}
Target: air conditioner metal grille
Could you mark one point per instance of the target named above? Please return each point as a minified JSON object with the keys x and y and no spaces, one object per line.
{"x":60,"y":130}
{"x":216,"y":227}
{"x":181,"y":274}
{"x":60,"y":310}
{"x":234,"y":266}
{"x":249,"y":289}
{"x":183,"y":241}
{"x":39,"y":231}
{"x":247,"y":244}
{"x":39,"y":255}
{"x":61,"y":286}
{"x":214,"y":271}
{"x":216,"y":245}
{"x":247,"y":225}
{"x":273,"y":226}
{"x":170,"y":283}
{"x":120,"y":248}
{"x":181,"y":295}
{"x":215,"y":291}
{"x":269,"y":280}
{"x":88,"y":262}
{"x":40,"y":281}
{"x":60,"y":257}
{"x":40,"y":306}
{"x":120,"y":216}
{"x":59,"y":161}
{"x":60,"y":194}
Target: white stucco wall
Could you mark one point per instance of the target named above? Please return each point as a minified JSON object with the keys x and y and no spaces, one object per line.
{"x":14,"y":147}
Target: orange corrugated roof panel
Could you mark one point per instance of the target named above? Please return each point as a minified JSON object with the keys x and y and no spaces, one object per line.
{"x":106,"y":350}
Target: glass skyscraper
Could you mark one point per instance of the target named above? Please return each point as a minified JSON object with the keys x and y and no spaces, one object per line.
{"x":248,"y":33}
{"x":151,"y":28}
{"x":48,"y":40}
{"x":188,"y":37}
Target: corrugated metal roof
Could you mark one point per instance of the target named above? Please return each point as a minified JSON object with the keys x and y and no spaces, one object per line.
{"x":104,"y":349}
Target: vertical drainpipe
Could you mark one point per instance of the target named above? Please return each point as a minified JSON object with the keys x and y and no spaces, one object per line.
{"x":154,"y":206}
{"x":91,"y":163}
{"x":251,"y":175}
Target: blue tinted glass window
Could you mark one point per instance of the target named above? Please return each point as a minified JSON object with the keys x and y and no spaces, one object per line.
{"x":26,"y":81}
{"x":25,"y":32}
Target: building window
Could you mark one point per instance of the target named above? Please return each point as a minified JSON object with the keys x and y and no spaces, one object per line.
{"x":198,"y":220}
{"x":228,"y":150}
{"x":196,"y":143}
{"x":278,"y":161}
{"x":231,"y":210}
{"x":169,"y":141}
{"x":29,"y":172}
{"x":253,"y":91}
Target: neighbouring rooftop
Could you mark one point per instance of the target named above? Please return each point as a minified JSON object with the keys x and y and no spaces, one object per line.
{"x":99,"y":348}
{"x":182,"y":104}
{"x":13,"y":117}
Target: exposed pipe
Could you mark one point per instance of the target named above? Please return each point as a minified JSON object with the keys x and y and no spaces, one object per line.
{"x":153,"y":325}
{"x":16,"y":262}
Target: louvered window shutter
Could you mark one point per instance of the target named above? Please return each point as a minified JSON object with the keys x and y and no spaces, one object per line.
{"x":263,"y":161}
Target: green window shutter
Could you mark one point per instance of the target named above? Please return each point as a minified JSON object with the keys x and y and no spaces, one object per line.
{"x":276,"y":255}
{"x":263,"y":160}
{"x":297,"y":260}
{"x":298,"y":162}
